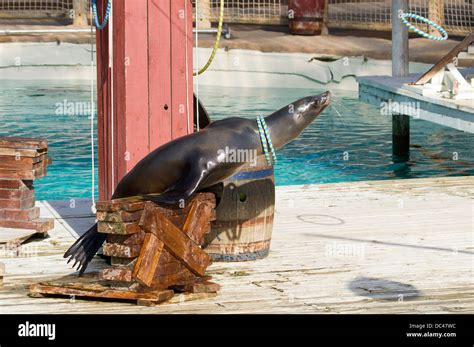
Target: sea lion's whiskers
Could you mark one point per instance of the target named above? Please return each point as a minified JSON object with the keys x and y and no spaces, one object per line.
{"x":335,"y":109}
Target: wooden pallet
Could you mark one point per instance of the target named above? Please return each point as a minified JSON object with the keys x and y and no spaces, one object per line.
{"x":22,"y":160}
{"x":155,"y":251}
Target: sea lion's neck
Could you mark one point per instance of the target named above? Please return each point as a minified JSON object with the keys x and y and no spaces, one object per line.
{"x":281,"y":129}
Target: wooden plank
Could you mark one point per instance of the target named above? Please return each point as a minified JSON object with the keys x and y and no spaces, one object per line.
{"x":121,"y":251}
{"x":40,"y":225}
{"x":181,"y":64}
{"x":448,"y":58}
{"x":23,"y":143}
{"x":178,"y":243}
{"x":17,"y":194}
{"x":118,"y":228}
{"x":118,"y":216}
{"x":16,"y":184}
{"x":130,"y":204}
{"x":117,"y":273}
{"x":20,"y":163}
{"x":159,"y":77}
{"x":15,"y":236}
{"x":23,"y":174}
{"x":125,"y":262}
{"x":201,"y":285}
{"x":15,"y":152}
{"x":103,"y":292}
{"x":148,"y":259}
{"x":16,"y":204}
{"x":197,"y":223}
{"x":180,"y":278}
{"x":20,"y":215}
{"x":80,"y":13}
{"x":133,"y":239}
{"x":131,"y":86}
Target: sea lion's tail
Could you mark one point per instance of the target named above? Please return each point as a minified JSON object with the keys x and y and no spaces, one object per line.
{"x":84,"y":249}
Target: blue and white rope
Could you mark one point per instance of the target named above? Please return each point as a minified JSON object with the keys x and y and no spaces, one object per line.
{"x":266,"y":141}
{"x":404,"y":16}
{"x":263,"y":140}
{"x":96,"y":16}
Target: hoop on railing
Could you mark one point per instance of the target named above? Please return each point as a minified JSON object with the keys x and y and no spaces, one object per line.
{"x":96,"y":16}
{"x":403,"y":16}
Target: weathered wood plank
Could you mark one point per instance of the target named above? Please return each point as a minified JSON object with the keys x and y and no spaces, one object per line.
{"x":197,"y":222}
{"x":118,"y":216}
{"x":41,"y":225}
{"x":132,"y":239}
{"x":19,"y":152}
{"x":121,"y":251}
{"x":148,"y":259}
{"x":23,"y":143}
{"x":178,"y":243}
{"x":17,"y":194}
{"x":118,"y":228}
{"x":20,"y":215}
{"x":103,"y":292}
{"x":17,"y":204}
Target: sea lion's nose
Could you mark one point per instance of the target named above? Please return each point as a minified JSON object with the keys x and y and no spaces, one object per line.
{"x":324,"y":98}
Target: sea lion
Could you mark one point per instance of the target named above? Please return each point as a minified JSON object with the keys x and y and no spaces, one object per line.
{"x":184,"y":166}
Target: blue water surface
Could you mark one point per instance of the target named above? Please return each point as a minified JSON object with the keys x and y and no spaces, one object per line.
{"x":350,"y":141}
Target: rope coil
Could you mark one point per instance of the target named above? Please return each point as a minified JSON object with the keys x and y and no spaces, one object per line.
{"x":403,"y":16}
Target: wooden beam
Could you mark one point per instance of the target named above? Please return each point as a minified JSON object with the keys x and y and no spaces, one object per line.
{"x":399,"y":40}
{"x":148,"y":259}
{"x":448,"y":58}
{"x":400,"y":68}
{"x":80,"y":13}
{"x":175,"y":241}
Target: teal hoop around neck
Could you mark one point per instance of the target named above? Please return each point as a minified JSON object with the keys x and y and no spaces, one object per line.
{"x":267,"y":143}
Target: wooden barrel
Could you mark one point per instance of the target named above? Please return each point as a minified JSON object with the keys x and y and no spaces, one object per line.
{"x":305,"y":17}
{"x":246,"y":203}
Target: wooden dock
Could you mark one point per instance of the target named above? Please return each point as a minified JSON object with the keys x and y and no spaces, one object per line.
{"x":383,"y":91}
{"x":402,"y":246}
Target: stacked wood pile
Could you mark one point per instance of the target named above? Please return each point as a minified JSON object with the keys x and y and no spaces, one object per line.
{"x":155,"y":251}
{"x":22,"y":160}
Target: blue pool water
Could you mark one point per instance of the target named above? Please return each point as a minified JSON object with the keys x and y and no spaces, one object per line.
{"x":350,"y":141}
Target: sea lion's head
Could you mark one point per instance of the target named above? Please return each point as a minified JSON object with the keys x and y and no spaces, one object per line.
{"x":287,"y":123}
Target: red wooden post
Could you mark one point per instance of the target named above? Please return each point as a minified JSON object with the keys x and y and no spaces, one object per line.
{"x":152,"y":83}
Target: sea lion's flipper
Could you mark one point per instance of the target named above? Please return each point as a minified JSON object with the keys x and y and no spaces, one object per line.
{"x":204,"y":119}
{"x":182,"y":190}
{"x":85,"y":247}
